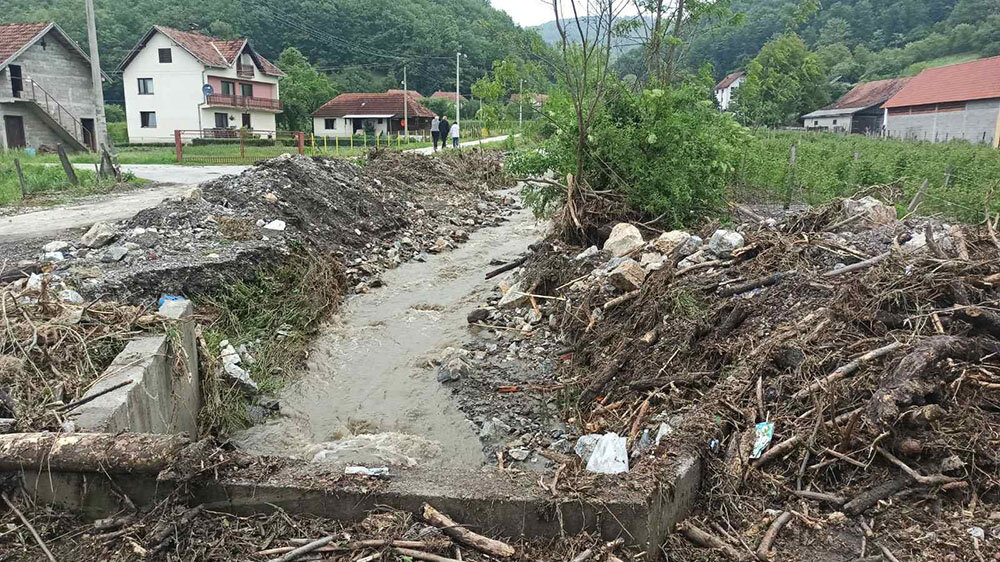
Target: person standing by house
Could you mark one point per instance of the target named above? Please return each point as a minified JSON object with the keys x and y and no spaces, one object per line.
{"x":443,"y":128}
{"x":453,"y":133}
{"x":435,"y":131}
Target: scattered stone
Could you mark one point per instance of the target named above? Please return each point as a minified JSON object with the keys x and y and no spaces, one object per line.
{"x":591,"y":251}
{"x":453,"y":368}
{"x":270,"y":196}
{"x":514,"y":297}
{"x":564,"y":446}
{"x":98,"y":235}
{"x":652,"y":261}
{"x":55,"y":246}
{"x":192,"y":194}
{"x":478,"y":315}
{"x":585,"y":446}
{"x":668,"y":242}
{"x":519,"y":454}
{"x":724,"y":241}
{"x":624,"y":239}
{"x":113,"y":254}
{"x":70,"y":296}
{"x":628,"y":276}
{"x":533,"y":317}
{"x":873,"y":212}
{"x":53,"y":256}
{"x":276,"y":225}
{"x":494,"y":429}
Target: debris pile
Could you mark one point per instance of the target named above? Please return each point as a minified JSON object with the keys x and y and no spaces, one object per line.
{"x":836,"y":369}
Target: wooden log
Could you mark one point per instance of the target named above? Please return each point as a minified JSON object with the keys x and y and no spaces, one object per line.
{"x":464,"y":536}
{"x":621,"y":299}
{"x":20,"y":179}
{"x":867,"y":499}
{"x":857,"y":266}
{"x":846,"y":369}
{"x":771,"y":534}
{"x":507,"y":267}
{"x":707,"y":540}
{"x":304,"y":549}
{"x":67,"y":167}
{"x":142,"y":453}
{"x":755,"y":284}
{"x":418,"y":555}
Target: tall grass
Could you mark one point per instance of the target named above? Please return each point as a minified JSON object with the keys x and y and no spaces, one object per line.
{"x":959,"y":174}
{"x":40,"y":180}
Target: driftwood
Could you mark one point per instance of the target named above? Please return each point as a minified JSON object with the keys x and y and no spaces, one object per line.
{"x":464,"y":536}
{"x":418,"y":555}
{"x":917,"y":375}
{"x":707,"y":540}
{"x":858,"y":266}
{"x":870,"y":498}
{"x":771,"y":534}
{"x":601,"y":381}
{"x":164,"y":532}
{"x":355,"y":545}
{"x":755,"y":284}
{"x":821,"y":497}
{"x":845,"y":370}
{"x":507,"y":267}
{"x":621,"y":299}
{"x":304,"y":549}
{"x":144,"y":453}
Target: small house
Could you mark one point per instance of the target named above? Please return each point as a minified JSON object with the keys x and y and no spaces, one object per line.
{"x":858,"y":111}
{"x":382,"y":113}
{"x":447,"y":95}
{"x":185,"y":80}
{"x":46,"y":89}
{"x":724,"y":89}
{"x":958,"y":101}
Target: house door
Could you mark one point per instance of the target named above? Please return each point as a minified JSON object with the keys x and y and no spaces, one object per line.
{"x":89,"y":138}
{"x":16,"y":80}
{"x":14,"y":124}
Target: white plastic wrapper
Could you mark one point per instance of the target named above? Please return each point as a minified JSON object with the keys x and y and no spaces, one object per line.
{"x":610,"y":455}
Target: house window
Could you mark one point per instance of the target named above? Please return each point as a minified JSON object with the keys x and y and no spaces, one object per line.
{"x":145,"y":86}
{"x":816,"y":122}
{"x":834,"y":121}
{"x":221,"y":120}
{"x":246,"y":90}
{"x":329,"y":124}
{"x":246,"y":121}
{"x":165,"y":55}
{"x":380,"y":121}
{"x":147,"y":119}
{"x":228,"y":88}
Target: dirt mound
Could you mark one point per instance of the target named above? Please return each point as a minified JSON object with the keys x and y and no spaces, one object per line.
{"x":867,"y":345}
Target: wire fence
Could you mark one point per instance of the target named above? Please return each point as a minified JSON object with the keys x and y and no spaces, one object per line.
{"x":235,"y":146}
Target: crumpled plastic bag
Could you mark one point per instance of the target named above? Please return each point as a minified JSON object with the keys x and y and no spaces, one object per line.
{"x":610,"y":455}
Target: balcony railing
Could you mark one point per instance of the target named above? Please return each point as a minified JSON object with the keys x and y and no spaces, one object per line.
{"x":245,"y":102}
{"x":244,"y":70}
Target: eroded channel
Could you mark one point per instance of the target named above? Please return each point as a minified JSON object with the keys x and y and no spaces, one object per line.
{"x":370,"y":395}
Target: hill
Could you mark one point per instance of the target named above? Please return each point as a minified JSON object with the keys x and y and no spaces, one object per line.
{"x":365,"y":43}
{"x":549,"y":33}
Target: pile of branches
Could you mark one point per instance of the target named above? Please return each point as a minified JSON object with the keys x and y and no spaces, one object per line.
{"x":52,"y":351}
{"x":877,"y":366}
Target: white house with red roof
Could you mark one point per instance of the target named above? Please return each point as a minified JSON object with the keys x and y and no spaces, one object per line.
{"x":958,"y":101}
{"x":46,"y":89}
{"x":725,"y":88}
{"x":382,"y":113}
{"x":185,"y":80}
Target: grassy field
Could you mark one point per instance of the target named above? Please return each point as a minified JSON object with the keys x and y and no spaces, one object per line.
{"x":916,"y":67}
{"x":960,"y":175}
{"x":43,"y":181}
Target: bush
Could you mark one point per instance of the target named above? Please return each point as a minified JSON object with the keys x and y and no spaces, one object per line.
{"x":235,"y":142}
{"x":114,"y":113}
{"x":118,"y":133}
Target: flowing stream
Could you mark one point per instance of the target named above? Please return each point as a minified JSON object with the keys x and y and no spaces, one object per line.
{"x":370,"y":396}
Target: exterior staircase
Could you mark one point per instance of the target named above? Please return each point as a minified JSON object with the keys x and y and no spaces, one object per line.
{"x":69,"y":127}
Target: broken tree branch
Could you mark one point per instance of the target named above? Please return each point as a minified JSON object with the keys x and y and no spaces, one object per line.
{"x":857,"y":266}
{"x":846,"y":369}
{"x":31,"y":529}
{"x":707,"y":540}
{"x":771,"y":534}
{"x":462,"y":535}
{"x":304,"y":549}
{"x":89,"y":452}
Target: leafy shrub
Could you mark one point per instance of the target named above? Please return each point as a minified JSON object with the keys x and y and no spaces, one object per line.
{"x":118,"y":133}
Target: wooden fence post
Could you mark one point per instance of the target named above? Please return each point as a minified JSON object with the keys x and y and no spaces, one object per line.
{"x":791,"y":178}
{"x":20,"y":179}
{"x":67,"y":167}
{"x":178,"y":147}
{"x":947,"y":176}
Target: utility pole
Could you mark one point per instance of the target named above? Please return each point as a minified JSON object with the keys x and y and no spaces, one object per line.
{"x":458,"y":95}
{"x":520,"y":106}
{"x":100,"y":126}
{"x":406,"y":108}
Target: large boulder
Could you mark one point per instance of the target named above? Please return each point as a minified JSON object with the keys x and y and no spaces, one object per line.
{"x":98,"y":235}
{"x":873,"y":212}
{"x":625,"y":238}
{"x":724,"y":242}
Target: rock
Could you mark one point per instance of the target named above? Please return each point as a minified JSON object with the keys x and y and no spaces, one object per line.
{"x":591,"y":251}
{"x":276,"y":225}
{"x":693,"y":259}
{"x":53,"y":256}
{"x":624,"y":238}
{"x":564,"y":446}
{"x":519,"y":454}
{"x":494,"y":429}
{"x":192,"y":194}
{"x":270,"y":403}
{"x":98,"y":235}
{"x":628,"y":276}
{"x":724,"y":241}
{"x":873,"y":212}
{"x":440,"y":245}
{"x":668,"y":242}
{"x":270,"y":196}
{"x":55,"y":246}
{"x":132,"y":246}
{"x":514,"y":297}
{"x":478,"y":315}
{"x":240,"y":376}
{"x":652,"y":261}
{"x":70,"y":296}
{"x":34,"y":283}
{"x":585,"y":446}
{"x":533,"y":317}
{"x":113,"y":254}
{"x":454,"y":368}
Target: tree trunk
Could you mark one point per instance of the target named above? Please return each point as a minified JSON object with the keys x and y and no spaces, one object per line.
{"x":144,"y":453}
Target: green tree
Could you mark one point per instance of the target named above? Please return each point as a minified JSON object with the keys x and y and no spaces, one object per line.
{"x":786,"y":80}
{"x":303,"y":89}
{"x":493,"y":92}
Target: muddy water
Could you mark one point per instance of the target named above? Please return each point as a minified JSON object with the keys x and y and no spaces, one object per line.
{"x":369,"y":396}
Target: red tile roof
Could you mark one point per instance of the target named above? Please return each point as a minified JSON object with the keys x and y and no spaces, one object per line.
{"x":974,"y":80}
{"x":210,"y":51}
{"x":867,"y":94}
{"x":413,"y":93}
{"x":16,"y":36}
{"x":371,"y":104}
{"x":729,"y":79}
{"x":446,"y":95}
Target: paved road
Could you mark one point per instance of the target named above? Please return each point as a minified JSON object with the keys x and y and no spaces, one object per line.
{"x":85,"y":212}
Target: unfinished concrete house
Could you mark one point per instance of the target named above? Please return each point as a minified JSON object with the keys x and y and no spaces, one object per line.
{"x":958,"y":101}
{"x":46,"y":90}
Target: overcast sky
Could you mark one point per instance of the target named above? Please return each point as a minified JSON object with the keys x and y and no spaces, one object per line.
{"x":533,"y":12}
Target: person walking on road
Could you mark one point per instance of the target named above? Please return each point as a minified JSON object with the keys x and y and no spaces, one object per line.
{"x":436,"y":131}
{"x":443,"y":128}
{"x":453,"y":133}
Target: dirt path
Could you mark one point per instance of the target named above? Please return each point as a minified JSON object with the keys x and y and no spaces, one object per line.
{"x":369,"y":373}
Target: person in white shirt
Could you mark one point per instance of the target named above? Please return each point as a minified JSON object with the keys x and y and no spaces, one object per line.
{"x":454,"y":135}
{"x":436,"y":132}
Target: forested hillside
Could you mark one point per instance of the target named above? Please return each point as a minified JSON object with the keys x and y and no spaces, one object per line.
{"x":857,"y":39}
{"x":363,"y":44}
